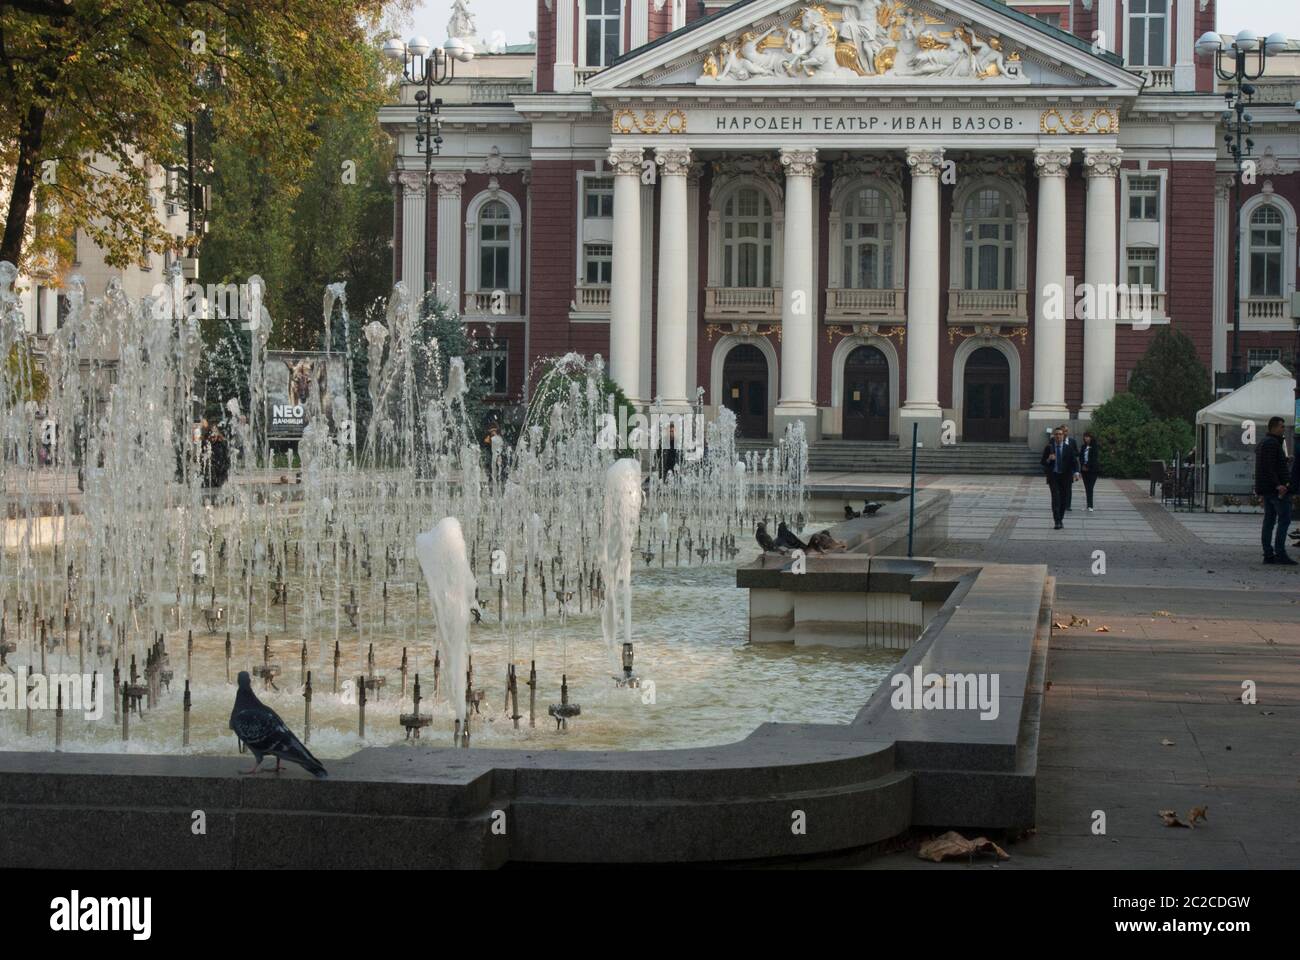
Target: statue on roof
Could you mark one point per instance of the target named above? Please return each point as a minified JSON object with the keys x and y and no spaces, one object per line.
{"x":462,"y":26}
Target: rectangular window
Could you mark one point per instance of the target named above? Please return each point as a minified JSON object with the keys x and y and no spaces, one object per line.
{"x":1144,"y":198}
{"x":602,"y":22}
{"x":493,"y":360}
{"x":1147,"y":28}
{"x":1259,"y":357}
{"x":1142,"y":268}
{"x":598,"y":264}
{"x":599,"y":198}
{"x":1051,"y":19}
{"x":63,"y":308}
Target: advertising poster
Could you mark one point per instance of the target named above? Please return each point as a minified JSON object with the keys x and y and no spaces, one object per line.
{"x":298,"y":382}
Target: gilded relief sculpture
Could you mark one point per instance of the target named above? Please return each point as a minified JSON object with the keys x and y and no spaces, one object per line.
{"x":841,"y":42}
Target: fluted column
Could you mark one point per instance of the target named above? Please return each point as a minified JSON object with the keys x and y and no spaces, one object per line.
{"x":674,"y":237}
{"x":415,"y":199}
{"x":1101,"y":167}
{"x":565,"y":27}
{"x":797,"y":300}
{"x":922,"y":404}
{"x":1052,"y":166}
{"x":625,"y":284}
{"x":450,"y":233}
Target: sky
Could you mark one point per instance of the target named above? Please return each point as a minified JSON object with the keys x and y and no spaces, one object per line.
{"x":515,"y":18}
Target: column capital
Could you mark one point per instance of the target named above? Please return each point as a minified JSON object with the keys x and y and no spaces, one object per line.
{"x":449,"y":184}
{"x":1052,"y":161}
{"x":925,"y":162}
{"x":1102,"y":161}
{"x":1223,"y":184}
{"x":799,"y":162}
{"x":626,"y":161}
{"x":673,"y":161}
{"x":412,"y":181}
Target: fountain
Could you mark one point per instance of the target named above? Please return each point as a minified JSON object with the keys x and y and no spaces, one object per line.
{"x":330,"y":555}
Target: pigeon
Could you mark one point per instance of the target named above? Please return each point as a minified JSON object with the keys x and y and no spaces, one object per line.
{"x":786,"y":538}
{"x":765,"y":541}
{"x":870,"y":507}
{"x":850,"y":513}
{"x":823,"y":542}
{"x":260,"y":729}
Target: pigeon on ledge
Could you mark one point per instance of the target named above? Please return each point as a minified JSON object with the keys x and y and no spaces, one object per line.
{"x":786,"y":538}
{"x":870,"y":507}
{"x":850,"y":513}
{"x":765,"y":540}
{"x":823,"y":542}
{"x":260,"y":729}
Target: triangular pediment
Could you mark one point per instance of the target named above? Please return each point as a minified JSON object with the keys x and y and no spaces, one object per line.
{"x":759,"y":45}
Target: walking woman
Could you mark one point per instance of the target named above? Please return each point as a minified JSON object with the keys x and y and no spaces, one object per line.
{"x":1089,"y":464}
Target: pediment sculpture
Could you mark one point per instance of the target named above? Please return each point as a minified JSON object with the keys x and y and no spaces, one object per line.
{"x":844,"y":42}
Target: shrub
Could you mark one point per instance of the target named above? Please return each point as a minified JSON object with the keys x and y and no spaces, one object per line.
{"x":1170,"y":378}
{"x":1131,"y":435}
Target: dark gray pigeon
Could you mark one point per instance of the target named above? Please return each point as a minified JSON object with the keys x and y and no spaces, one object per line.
{"x":260,"y":729}
{"x":785,"y":537}
{"x":765,"y":540}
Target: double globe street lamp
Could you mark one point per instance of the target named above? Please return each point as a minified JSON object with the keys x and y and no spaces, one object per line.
{"x":1235,"y":66}
{"x":428,"y":66}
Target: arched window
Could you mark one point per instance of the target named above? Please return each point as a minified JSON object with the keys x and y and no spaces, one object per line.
{"x":494,"y":246}
{"x":1266,"y":251}
{"x":747,"y":239}
{"x":867,"y":228}
{"x":989,"y":241}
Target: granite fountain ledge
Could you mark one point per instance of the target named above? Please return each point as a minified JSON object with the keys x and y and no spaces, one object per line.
{"x":852,"y":784}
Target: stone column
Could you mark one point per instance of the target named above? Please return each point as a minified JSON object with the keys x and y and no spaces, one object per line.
{"x":1222,"y":271}
{"x":796,"y":402}
{"x":415,"y":195}
{"x":1101,"y":167}
{"x":1184,"y":47}
{"x":625,"y":285}
{"x":565,"y":27}
{"x":450,"y":232}
{"x":922,"y":404}
{"x":674,"y":230}
{"x":1052,"y":165}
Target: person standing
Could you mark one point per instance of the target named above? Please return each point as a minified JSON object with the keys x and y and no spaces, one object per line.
{"x":1069,"y":487}
{"x":667,"y":454}
{"x":1060,"y":469}
{"x":1089,"y":464}
{"x":1272,"y":482}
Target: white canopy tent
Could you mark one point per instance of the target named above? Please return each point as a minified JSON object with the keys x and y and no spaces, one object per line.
{"x":1230,"y":427}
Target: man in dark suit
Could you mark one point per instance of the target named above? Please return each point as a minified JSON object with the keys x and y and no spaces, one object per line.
{"x":1273,"y":484}
{"x":1069,"y":487}
{"x":1061,"y":469}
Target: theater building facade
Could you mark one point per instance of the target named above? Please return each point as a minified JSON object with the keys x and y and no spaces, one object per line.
{"x":861,"y":215}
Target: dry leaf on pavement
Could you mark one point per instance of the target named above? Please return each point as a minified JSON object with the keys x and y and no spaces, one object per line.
{"x":953,"y":844}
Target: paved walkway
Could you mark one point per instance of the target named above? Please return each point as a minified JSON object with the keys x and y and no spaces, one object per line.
{"x":1144,"y":709}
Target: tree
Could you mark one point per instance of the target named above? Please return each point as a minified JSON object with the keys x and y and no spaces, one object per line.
{"x":332,"y":224}
{"x":1170,"y":379}
{"x":95,"y":94}
{"x":1131,"y":436}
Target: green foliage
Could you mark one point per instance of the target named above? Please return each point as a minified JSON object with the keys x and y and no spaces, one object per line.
{"x":1130,"y":436}
{"x":26,"y":379}
{"x":1170,"y":379}
{"x":437,"y":321}
{"x":301,"y":233}
{"x":104,"y":89}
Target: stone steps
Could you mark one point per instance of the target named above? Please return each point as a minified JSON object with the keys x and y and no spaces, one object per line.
{"x":841,"y":456}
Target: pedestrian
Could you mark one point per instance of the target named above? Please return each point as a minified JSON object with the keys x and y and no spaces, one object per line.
{"x":1069,"y":488}
{"x":1272,"y":482}
{"x":1089,"y":464}
{"x":1060,"y":470}
{"x":667,"y":454}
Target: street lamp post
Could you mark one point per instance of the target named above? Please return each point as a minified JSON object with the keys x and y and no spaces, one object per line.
{"x":1232,"y":65}
{"x":428,"y":66}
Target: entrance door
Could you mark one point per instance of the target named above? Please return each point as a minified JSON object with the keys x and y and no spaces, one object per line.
{"x":866,"y":395}
{"x":986,"y":415}
{"x":744,"y":389}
